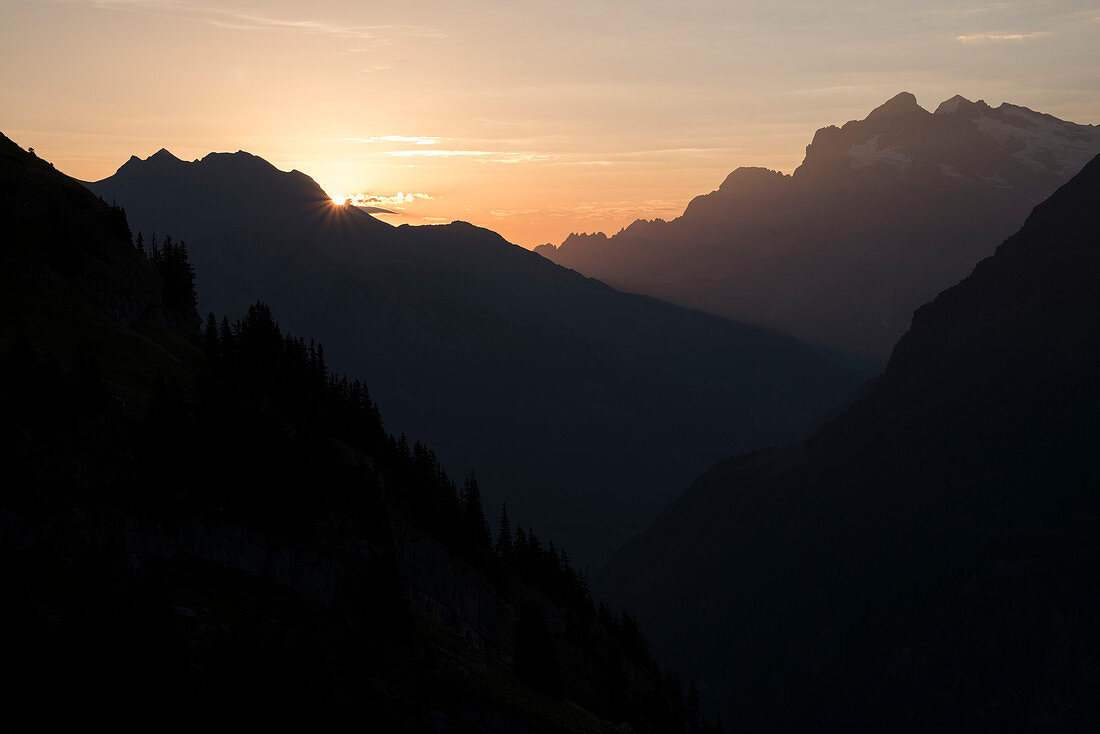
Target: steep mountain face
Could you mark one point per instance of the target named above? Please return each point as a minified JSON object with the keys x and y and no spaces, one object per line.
{"x":882,"y":214}
{"x":207,"y":533}
{"x":584,"y":403}
{"x":929,"y":560}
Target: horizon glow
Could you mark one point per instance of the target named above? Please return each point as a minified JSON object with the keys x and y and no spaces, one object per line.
{"x":533,"y":121}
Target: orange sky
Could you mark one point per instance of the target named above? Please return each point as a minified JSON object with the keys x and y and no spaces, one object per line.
{"x":534,"y":120}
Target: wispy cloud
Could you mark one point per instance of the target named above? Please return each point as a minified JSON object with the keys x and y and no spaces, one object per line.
{"x":602,"y":211}
{"x":522,"y":157}
{"x":417,"y":139}
{"x":967,"y":12}
{"x":489,"y":156}
{"x":395,"y":200}
{"x":254,"y":21}
{"x":974,"y":37}
{"x":435,"y":153}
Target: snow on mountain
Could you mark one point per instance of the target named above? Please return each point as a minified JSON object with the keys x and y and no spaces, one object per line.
{"x":1041,"y":141}
{"x":869,"y":153}
{"x":1037,"y":140}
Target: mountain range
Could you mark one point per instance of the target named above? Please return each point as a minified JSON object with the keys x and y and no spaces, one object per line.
{"x":582,"y":406}
{"x":927,"y":561}
{"x":882,"y":214}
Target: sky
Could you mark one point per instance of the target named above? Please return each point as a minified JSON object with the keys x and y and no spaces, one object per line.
{"x":535,"y":119}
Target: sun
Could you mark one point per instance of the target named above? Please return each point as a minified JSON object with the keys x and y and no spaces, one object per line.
{"x":339,"y":200}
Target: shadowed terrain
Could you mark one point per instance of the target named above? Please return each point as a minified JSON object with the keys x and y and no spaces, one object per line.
{"x":929,"y":560}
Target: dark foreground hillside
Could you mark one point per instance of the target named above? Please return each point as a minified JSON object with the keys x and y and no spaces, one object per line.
{"x":930,"y":560}
{"x":205,"y":527}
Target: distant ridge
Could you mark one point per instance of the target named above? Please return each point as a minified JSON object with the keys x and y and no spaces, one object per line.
{"x":881,"y":215}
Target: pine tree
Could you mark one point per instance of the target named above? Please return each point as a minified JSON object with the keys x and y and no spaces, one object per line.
{"x":211,"y":343}
{"x":225,"y":338}
{"x":691,"y":705}
{"x":480,"y":538}
{"x":504,"y":535}
{"x":187,"y":277}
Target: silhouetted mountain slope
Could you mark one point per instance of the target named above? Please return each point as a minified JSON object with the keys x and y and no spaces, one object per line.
{"x":929,"y":560}
{"x":583,"y":403}
{"x":882,"y":214}
{"x":216,"y":532}
{"x":227,"y":192}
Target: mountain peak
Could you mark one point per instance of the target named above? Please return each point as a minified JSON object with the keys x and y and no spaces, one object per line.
{"x":161,"y":158}
{"x":903,"y":103}
{"x":240,"y":155}
{"x":950,"y":106}
{"x":163,"y":155}
{"x":746,"y":176}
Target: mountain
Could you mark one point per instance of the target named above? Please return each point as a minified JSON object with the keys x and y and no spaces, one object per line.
{"x":585,"y":404}
{"x":883,"y":214}
{"x":211,"y":532}
{"x":929,"y":560}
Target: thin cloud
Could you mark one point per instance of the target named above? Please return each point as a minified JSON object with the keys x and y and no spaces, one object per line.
{"x":601,"y":211}
{"x":504,"y":157}
{"x":417,"y":139}
{"x":395,"y":200}
{"x":972,"y":37}
{"x":521,"y":158}
{"x":509,"y":123}
{"x":253,"y":22}
{"x":984,"y":9}
{"x":232,"y":20}
{"x":435,"y":153}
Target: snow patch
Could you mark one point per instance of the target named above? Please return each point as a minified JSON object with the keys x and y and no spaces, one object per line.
{"x":863,"y":155}
{"x":951,"y":106}
{"x":1040,"y":141}
{"x":950,"y":171}
{"x":995,"y":181}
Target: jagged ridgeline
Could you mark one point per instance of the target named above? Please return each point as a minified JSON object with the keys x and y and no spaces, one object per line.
{"x":202,"y":525}
{"x":882,"y":214}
